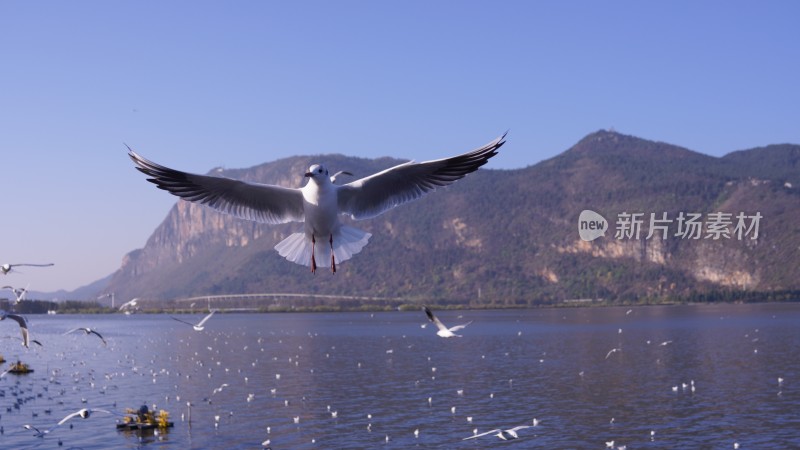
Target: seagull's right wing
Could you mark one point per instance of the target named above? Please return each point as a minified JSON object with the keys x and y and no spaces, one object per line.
{"x":181,"y":321}
{"x":378,"y":193}
{"x":258,"y":202}
{"x":460,"y":327}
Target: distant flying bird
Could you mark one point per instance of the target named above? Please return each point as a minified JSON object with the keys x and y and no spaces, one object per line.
{"x":84,"y":413}
{"x":18,"y":293}
{"x":505,"y":435}
{"x":320,"y":201}
{"x":23,"y":325}
{"x":612,"y":351}
{"x":6,"y":268}
{"x":130,"y":304}
{"x":443,"y":330}
{"x":87,"y":331}
{"x":199,"y":325}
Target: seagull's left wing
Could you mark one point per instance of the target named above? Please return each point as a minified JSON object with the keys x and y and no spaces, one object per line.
{"x":460,"y":327}
{"x":378,"y":193}
{"x":205,"y":319}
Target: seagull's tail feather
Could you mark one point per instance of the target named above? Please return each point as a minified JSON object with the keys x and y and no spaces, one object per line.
{"x":346,"y":242}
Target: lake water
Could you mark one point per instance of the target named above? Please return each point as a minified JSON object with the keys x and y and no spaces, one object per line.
{"x":385,"y":377}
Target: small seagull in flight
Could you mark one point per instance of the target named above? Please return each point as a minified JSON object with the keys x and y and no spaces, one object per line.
{"x":443,"y":330}
{"x":129,"y":304}
{"x":320,"y":202}
{"x":84,"y":413}
{"x":612,"y":351}
{"x":6,"y":268}
{"x":87,"y":331}
{"x":505,"y":435}
{"x":199,"y":325}
{"x":23,"y":325}
{"x":18,"y":293}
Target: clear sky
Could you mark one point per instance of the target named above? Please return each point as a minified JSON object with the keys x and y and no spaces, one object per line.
{"x":195,"y":85}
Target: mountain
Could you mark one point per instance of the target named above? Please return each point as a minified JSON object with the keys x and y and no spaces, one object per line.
{"x":88,"y":292}
{"x":511,"y":236}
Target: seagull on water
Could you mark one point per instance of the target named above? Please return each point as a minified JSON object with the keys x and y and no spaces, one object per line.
{"x":320,"y":202}
{"x":199,"y":325}
{"x":23,"y":325}
{"x":443,"y":330}
{"x":6,"y":268}
{"x":87,"y":331}
{"x":505,"y":435}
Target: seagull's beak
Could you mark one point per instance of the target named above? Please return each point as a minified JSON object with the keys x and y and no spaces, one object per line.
{"x":309,"y":175}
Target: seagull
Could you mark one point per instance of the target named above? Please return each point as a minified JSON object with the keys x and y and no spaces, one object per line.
{"x":23,"y":325}
{"x":87,"y":331}
{"x":18,"y":293}
{"x":320,"y":202}
{"x":612,"y":351}
{"x":130,"y":304}
{"x":505,"y":435}
{"x":83,"y":413}
{"x":443,"y":330}
{"x":6,"y":268}
{"x":200,"y":325}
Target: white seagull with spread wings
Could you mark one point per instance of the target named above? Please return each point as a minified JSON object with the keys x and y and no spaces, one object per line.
{"x":199,"y":325}
{"x":443,"y":330}
{"x":6,"y":268}
{"x":505,"y":435}
{"x":19,"y":293}
{"x":23,"y":325}
{"x":84,"y":413}
{"x":320,"y":201}
{"x":88,"y":331}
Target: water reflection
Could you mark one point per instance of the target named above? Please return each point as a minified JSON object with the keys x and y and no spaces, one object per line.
{"x":354,"y":380}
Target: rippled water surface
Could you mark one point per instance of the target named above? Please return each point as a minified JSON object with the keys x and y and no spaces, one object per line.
{"x":683,"y":377}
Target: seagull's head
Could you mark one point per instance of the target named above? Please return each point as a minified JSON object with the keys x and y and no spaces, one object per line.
{"x":318,"y":173}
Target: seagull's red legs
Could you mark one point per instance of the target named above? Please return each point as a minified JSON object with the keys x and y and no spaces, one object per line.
{"x":333,"y":258}
{"x":313,"y":260}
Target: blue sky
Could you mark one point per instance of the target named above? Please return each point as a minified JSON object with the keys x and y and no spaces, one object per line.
{"x":195,"y":85}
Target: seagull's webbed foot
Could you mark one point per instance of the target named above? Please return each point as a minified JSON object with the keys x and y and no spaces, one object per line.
{"x":333,"y":257}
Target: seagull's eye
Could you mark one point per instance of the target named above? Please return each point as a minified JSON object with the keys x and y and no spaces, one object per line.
{"x":319,"y":170}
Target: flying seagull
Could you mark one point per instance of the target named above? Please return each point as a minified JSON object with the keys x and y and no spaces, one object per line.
{"x":130,"y":304}
{"x":443,"y":330}
{"x":84,"y":413}
{"x":87,"y":331}
{"x":23,"y":325}
{"x":6,"y":268}
{"x":18,"y":293}
{"x":505,"y":435}
{"x":200,"y":325}
{"x":320,"y":202}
